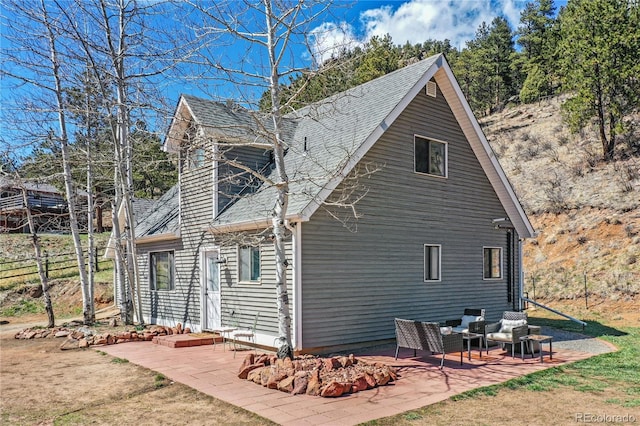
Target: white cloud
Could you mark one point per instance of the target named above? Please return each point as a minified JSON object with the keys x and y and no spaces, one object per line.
{"x":330,"y":39}
{"x":416,"y":21}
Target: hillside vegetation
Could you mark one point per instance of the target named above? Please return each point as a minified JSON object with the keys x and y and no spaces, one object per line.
{"x":585,"y":210}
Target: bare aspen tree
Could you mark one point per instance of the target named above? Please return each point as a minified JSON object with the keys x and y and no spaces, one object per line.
{"x":44,"y":281}
{"x":38,"y":61}
{"x":125,"y":52}
{"x":35,"y":241}
{"x":267,"y":32}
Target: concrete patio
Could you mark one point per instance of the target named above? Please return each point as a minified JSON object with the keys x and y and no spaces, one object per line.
{"x":213,"y":371}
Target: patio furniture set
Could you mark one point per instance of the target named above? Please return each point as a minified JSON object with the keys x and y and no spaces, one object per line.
{"x":442,"y":338}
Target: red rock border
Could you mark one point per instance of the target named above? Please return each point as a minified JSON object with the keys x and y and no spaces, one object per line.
{"x":311,"y":375}
{"x":83,"y":337}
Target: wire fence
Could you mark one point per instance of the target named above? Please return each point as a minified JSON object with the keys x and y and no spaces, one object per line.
{"x":611,"y":283}
{"x":57,"y":265}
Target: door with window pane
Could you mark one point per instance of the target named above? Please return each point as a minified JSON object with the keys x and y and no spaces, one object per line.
{"x":212,"y":299}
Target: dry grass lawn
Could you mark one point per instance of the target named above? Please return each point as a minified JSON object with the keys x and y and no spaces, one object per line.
{"x":42,"y":385}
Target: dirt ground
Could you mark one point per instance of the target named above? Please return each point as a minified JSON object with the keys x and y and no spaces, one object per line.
{"x":42,"y":385}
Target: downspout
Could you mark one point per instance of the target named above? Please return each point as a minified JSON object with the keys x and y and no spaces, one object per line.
{"x":520,"y":276}
{"x":295,"y":230}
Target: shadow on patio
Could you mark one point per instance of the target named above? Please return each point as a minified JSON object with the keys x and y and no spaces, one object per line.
{"x":420,"y":380}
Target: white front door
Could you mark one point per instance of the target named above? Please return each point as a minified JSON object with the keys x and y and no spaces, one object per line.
{"x":211,"y":289}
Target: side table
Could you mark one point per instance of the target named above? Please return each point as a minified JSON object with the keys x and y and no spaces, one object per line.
{"x":540,"y":338}
{"x":225,"y":332}
{"x":468,"y":336}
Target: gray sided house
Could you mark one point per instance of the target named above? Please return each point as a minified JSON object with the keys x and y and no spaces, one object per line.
{"x":436,"y":228}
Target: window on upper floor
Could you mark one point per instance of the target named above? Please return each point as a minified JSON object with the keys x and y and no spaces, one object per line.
{"x":249,"y":264}
{"x":430,"y":156}
{"x":492,"y":268}
{"x":432,"y":262}
{"x":195,"y":157}
{"x":161,"y":271}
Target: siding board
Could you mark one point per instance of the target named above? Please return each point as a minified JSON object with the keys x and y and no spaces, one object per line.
{"x":355,"y":283}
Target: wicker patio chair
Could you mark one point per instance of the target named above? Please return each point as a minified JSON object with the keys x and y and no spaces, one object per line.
{"x":426,"y":336}
{"x":472,"y":321}
{"x":508,"y":330}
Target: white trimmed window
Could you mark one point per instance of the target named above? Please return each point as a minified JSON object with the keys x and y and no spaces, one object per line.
{"x":196,"y":157}
{"x":430,"y":156}
{"x":432,"y":262}
{"x":249,"y":264}
{"x":161,"y":271}
{"x":492,"y":269}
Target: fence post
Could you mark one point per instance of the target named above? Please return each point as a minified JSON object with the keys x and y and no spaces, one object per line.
{"x":533,"y":284}
{"x":586,"y":293}
{"x":46,"y":265}
{"x":95,"y":253}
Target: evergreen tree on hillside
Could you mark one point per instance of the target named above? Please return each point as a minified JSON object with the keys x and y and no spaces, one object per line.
{"x":356,"y":66}
{"x":599,"y":58}
{"x":537,"y":36}
{"x":485,"y":67}
{"x":379,"y":57}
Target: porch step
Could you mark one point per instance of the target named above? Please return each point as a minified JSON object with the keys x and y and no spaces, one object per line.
{"x":187,"y":340}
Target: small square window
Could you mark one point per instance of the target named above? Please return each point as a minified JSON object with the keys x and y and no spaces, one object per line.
{"x":195,"y":157}
{"x":161,"y":265}
{"x":430,"y":156}
{"x":431,"y":262}
{"x":492,"y":268}
{"x":249,"y":269}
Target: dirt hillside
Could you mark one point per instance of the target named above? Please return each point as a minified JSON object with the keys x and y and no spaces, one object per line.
{"x":586,"y":211}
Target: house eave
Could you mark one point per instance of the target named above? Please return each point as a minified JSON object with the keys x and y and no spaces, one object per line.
{"x":248,"y":225}
{"x":110,"y":250}
{"x":480,"y":146}
{"x":147,"y":239}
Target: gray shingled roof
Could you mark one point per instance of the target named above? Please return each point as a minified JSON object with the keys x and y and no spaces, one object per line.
{"x":159,"y":217}
{"x":231,"y":122}
{"x":333,"y":130}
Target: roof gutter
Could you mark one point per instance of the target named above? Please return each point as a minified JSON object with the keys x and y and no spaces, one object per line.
{"x":145,"y":239}
{"x":249,"y":225}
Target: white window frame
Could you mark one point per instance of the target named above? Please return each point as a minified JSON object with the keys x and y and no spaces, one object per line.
{"x":426,"y":269}
{"x":489,"y":249}
{"x":445,"y":174}
{"x":153,"y":285}
{"x":239,"y":269}
{"x":196,"y":157}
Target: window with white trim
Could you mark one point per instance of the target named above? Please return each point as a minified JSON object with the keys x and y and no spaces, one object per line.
{"x":161,"y":271}
{"x":249,"y":264}
{"x":492,"y":269}
{"x":196,"y":157}
{"x":432,"y":262}
{"x":430,"y":156}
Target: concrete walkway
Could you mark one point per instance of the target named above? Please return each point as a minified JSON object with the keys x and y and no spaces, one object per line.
{"x":213,"y":371}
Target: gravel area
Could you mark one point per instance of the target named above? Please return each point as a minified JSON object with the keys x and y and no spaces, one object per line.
{"x":563,"y":339}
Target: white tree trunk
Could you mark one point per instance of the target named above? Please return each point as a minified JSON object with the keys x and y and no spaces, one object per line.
{"x":87,"y":302}
{"x":44,"y":280}
{"x":282,"y":183}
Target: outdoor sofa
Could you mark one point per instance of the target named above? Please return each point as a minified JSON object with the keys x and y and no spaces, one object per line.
{"x":426,"y":336}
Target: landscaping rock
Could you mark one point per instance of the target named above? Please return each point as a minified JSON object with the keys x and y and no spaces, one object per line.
{"x":327,"y":377}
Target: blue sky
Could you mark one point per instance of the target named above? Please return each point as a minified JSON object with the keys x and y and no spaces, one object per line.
{"x":348,"y":22}
{"x":418,"y":20}
{"x":352,"y":23}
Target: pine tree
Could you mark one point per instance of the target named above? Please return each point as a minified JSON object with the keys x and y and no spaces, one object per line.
{"x":600,"y":61}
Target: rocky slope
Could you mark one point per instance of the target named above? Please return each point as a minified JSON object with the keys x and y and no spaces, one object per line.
{"x":585,"y":211}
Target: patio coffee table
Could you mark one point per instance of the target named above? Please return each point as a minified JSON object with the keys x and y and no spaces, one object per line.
{"x":468,"y":337}
{"x":540,"y":338}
